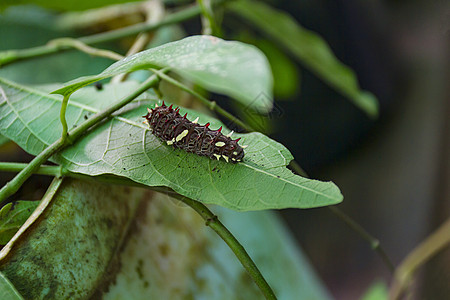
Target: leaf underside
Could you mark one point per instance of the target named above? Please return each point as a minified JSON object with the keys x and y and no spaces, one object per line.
{"x":123,"y":146}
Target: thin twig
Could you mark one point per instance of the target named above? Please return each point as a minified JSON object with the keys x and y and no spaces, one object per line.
{"x":208,"y":23}
{"x":373,"y":242}
{"x":46,"y":199}
{"x":434,"y":243}
{"x":77,"y":44}
{"x":213,"y":222}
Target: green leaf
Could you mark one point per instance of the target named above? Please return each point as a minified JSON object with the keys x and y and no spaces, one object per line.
{"x":12,"y":217}
{"x":7,"y":290}
{"x":309,"y":48}
{"x":232,"y":68}
{"x":124,"y":146}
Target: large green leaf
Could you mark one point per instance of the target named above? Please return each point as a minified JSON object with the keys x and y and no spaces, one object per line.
{"x":124,"y":146}
{"x":227,"y":67}
{"x":309,"y":48}
{"x":12,"y":217}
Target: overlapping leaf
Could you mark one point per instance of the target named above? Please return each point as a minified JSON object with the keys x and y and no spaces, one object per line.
{"x":232,"y":68}
{"x":123,"y":146}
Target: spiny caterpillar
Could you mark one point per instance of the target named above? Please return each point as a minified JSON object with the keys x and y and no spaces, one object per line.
{"x":176,"y":130}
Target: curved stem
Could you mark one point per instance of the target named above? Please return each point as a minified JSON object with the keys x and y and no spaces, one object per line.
{"x":213,"y":222}
{"x":77,"y":44}
{"x":434,"y":243}
{"x":62,"y":116}
{"x":208,"y":23}
{"x":12,"y":186}
{"x":373,"y":242}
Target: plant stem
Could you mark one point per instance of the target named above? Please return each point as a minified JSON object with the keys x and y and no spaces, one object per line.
{"x":373,"y":242}
{"x":45,"y":201}
{"x":212,"y":105}
{"x":62,"y":116}
{"x":434,"y":243}
{"x":77,"y":44}
{"x":9,"y":56}
{"x":12,"y":186}
{"x":207,"y":17}
{"x":213,"y":222}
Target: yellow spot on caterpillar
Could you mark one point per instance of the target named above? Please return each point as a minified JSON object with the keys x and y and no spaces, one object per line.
{"x":233,"y":159}
{"x":238,"y":160}
{"x":195,"y":121}
{"x":169,"y":142}
{"x":244,"y":146}
{"x":217,"y":156}
{"x":225,"y":157}
{"x":235,"y":153}
{"x":181,"y":135}
{"x":220,"y":144}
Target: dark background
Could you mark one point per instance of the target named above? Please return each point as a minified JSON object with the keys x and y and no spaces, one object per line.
{"x":394,"y":172}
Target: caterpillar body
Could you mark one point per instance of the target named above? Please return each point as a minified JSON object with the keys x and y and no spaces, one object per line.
{"x":168,"y":125}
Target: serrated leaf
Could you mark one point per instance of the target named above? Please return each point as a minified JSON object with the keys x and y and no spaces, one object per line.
{"x":7,"y":289}
{"x":12,"y":217}
{"x":228,"y":67}
{"x":124,"y":146}
{"x":309,"y":48}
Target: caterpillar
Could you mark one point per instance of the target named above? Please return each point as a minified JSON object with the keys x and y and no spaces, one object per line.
{"x":168,"y":125}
